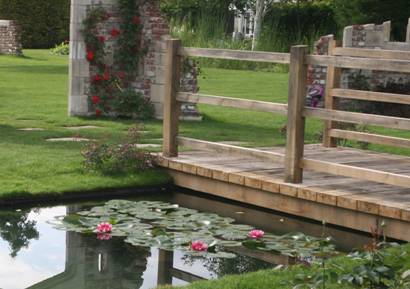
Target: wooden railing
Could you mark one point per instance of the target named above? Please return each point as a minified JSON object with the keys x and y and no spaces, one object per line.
{"x":296,"y":111}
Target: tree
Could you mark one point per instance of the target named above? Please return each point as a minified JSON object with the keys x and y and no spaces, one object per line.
{"x":260,"y":9}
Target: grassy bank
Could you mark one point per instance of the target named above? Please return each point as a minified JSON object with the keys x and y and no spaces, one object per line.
{"x":285,"y":278}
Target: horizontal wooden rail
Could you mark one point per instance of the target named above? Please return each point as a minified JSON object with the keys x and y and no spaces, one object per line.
{"x":359,"y":118}
{"x":185,"y":276}
{"x":360,"y":63}
{"x":371,"y":95}
{"x":370,"y":138}
{"x":256,"y":56}
{"x":372,"y":53}
{"x":233,"y":102}
{"x":230,"y":149}
{"x":357,"y":172}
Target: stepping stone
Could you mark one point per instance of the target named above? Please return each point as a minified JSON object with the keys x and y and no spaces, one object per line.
{"x":82,"y":127}
{"x":31,"y":129}
{"x":69,"y":139}
{"x":233,"y":143}
{"x":147,"y":146}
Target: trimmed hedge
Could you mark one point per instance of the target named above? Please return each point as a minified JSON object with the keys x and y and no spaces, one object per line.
{"x":44,"y":23}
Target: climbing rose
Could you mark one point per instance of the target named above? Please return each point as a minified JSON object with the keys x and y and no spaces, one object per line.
{"x":106,"y":75}
{"x":136,"y":20}
{"x":121,"y":74}
{"x":101,"y":39}
{"x":115,"y":32}
{"x":256,"y":234}
{"x":199,"y":246}
{"x":95,"y":99}
{"x":98,"y":112}
{"x":97,"y":77}
{"x":104,"y":228}
{"x":90,"y":55}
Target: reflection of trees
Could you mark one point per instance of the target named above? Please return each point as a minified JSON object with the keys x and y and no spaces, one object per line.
{"x":17,"y":230}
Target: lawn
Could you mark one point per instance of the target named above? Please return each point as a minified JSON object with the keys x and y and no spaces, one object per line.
{"x":33,"y":94}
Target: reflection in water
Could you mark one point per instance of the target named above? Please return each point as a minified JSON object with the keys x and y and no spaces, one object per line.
{"x":17,"y":230}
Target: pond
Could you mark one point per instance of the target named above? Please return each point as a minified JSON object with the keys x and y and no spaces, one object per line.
{"x":34,"y":254}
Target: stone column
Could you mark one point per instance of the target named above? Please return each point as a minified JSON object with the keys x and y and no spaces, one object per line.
{"x":79,"y":67}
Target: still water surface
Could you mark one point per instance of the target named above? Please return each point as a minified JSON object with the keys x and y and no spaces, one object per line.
{"x":35,"y":255}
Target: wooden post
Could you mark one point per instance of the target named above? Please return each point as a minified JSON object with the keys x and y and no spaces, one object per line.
{"x":296,"y":121}
{"x":165,"y":264}
{"x":408,"y":32}
{"x":171,"y":106}
{"x":332,"y":81}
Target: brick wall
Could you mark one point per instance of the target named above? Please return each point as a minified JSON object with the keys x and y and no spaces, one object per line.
{"x":10,"y":38}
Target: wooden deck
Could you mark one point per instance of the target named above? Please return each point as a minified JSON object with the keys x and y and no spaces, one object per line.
{"x":338,"y":200}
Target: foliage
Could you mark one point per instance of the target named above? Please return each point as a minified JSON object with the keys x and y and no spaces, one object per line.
{"x":170,"y":227}
{"x":114,"y":159}
{"x":111,"y":86}
{"x":61,"y":49}
{"x":44,"y":23}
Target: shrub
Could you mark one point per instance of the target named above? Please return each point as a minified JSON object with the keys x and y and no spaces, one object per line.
{"x":61,"y":49}
{"x":44,"y":23}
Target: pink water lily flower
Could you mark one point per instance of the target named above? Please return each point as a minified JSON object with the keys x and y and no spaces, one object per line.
{"x":256,"y":234}
{"x":199,"y":246}
{"x":104,"y":228}
{"x":104,"y":237}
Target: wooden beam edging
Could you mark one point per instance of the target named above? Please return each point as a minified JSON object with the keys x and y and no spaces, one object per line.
{"x":370,"y":138}
{"x":184,"y":276}
{"x":230,"y":149}
{"x":348,"y":218}
{"x":256,"y":56}
{"x":360,"y":63}
{"x":372,"y":53}
{"x":371,"y":96}
{"x":254,"y":105}
{"x":356,"y":172}
{"x":360,"y":118}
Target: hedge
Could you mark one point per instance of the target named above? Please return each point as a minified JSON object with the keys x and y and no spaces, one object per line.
{"x":44,"y":23}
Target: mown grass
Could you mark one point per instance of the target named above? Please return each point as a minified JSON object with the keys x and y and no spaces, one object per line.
{"x":33,"y":93}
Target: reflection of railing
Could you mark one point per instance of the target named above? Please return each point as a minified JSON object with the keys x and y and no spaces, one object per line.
{"x":296,"y":111}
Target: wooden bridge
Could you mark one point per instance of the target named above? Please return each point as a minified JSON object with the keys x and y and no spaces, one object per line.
{"x":348,"y":187}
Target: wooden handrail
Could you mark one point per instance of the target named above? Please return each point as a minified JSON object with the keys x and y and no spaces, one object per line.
{"x":255,"y":105}
{"x":360,"y":63}
{"x":370,"y":138}
{"x":359,"y":118}
{"x":231,"y":149}
{"x":255,"y":56}
{"x":371,"y":95}
{"x":372,"y":53}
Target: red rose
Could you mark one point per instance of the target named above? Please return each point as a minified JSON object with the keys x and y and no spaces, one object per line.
{"x":121,"y":74}
{"x":115,"y":32}
{"x":106,"y":75}
{"x":95,"y":99}
{"x":90,"y":55}
{"x":98,"y":112}
{"x":97,"y":78}
{"x":101,"y":39}
{"x":136,"y":20}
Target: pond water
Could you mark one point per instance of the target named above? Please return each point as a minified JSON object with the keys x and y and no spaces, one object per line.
{"x":33,"y":254}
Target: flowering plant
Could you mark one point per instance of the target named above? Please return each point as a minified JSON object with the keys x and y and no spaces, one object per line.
{"x":199,"y":246}
{"x":256,"y":234}
{"x":103,"y":228}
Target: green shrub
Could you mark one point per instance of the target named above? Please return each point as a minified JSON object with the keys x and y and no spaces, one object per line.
{"x":61,"y":49}
{"x":44,"y":23}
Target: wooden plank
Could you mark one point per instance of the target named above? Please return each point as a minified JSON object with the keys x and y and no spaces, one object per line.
{"x":371,"y":95}
{"x":360,"y":118}
{"x":171,"y":107}
{"x":296,"y":122}
{"x":230,"y":149}
{"x":165,"y":263}
{"x":332,"y":81}
{"x":372,"y":53}
{"x":360,"y":63}
{"x":254,"y":105}
{"x":356,"y":172}
{"x":184,"y":276}
{"x":370,"y":138}
{"x":255,"y":56}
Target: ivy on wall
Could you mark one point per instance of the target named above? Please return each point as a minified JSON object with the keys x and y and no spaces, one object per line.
{"x":111,"y":91}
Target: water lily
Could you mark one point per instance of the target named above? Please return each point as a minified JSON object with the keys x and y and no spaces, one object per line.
{"x":199,"y":246}
{"x":256,"y":234}
{"x":104,"y":228}
{"x":104,"y":237}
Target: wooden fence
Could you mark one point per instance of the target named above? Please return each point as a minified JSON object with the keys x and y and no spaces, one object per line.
{"x":296,"y":111}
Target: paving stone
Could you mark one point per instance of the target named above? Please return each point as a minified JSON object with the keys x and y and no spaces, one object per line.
{"x":69,"y":139}
{"x":82,"y":127}
{"x":31,"y":129}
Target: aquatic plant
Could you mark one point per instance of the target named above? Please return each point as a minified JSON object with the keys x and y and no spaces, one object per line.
{"x":170,"y":227}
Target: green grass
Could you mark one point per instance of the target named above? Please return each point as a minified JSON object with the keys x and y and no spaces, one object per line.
{"x":33,"y":93}
{"x":280,"y":279}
